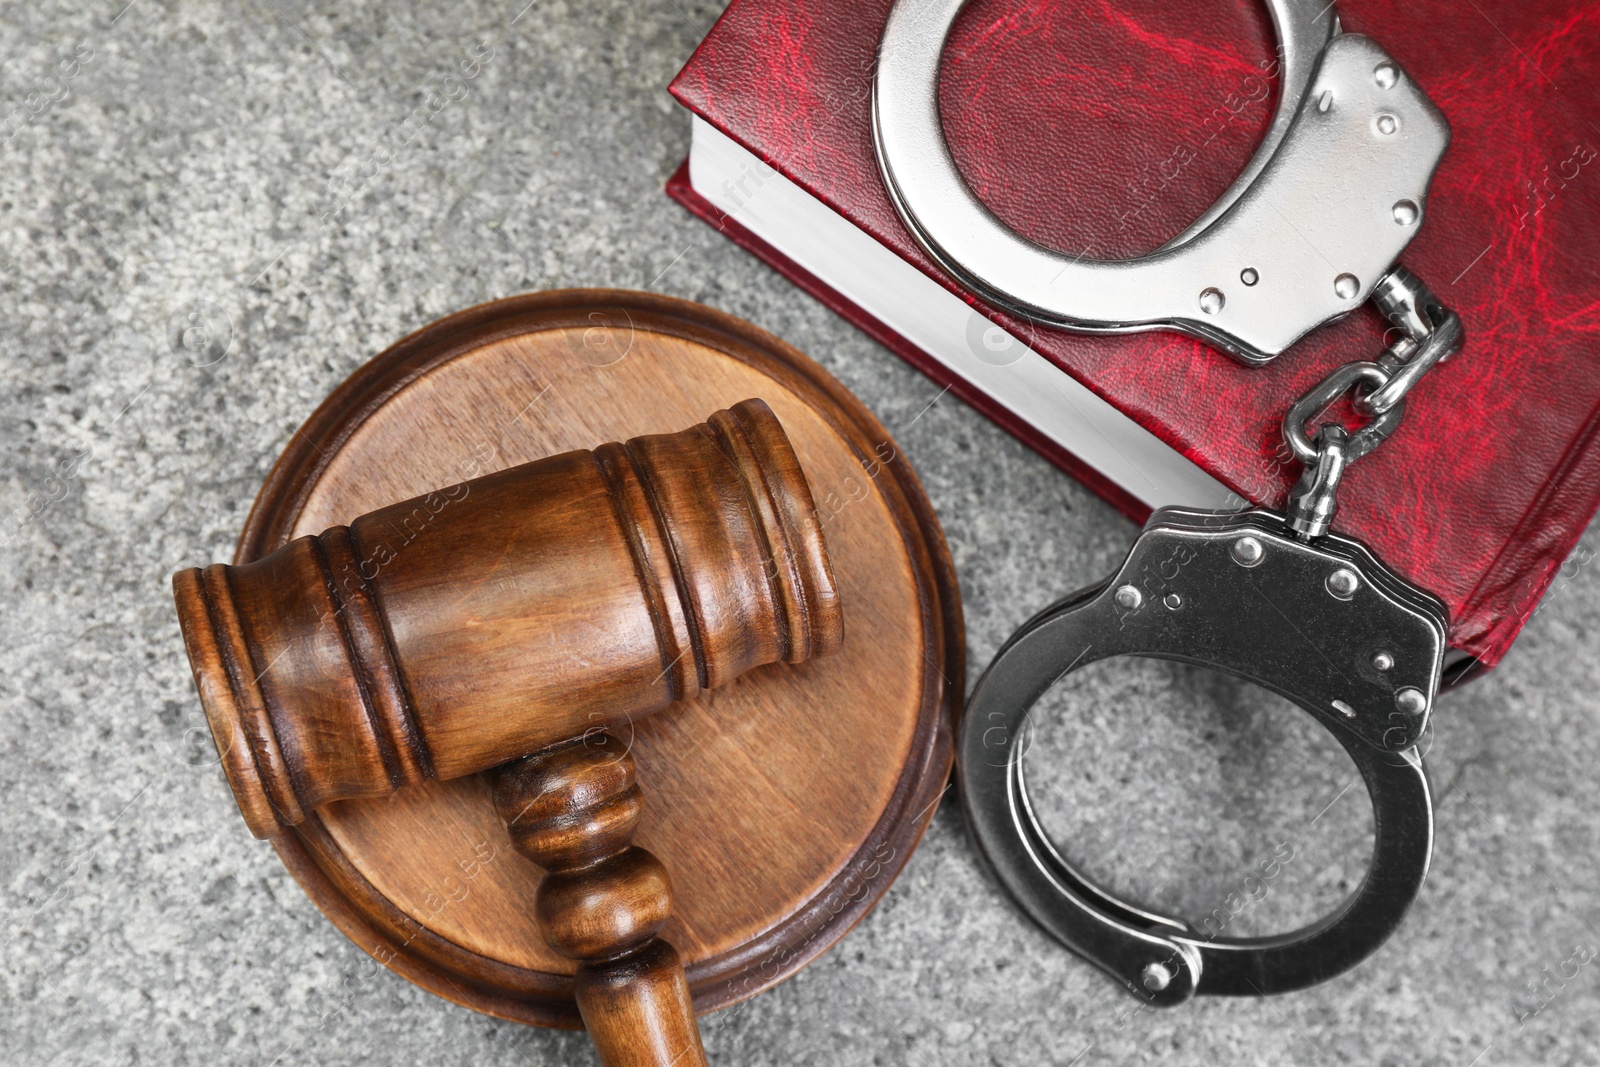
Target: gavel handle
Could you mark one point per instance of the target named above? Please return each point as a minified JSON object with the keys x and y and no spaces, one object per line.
{"x":572,"y":810}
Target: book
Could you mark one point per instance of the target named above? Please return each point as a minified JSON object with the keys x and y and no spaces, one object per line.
{"x":1104,"y":128}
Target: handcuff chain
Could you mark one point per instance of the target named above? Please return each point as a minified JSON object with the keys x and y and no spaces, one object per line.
{"x":1430,"y":333}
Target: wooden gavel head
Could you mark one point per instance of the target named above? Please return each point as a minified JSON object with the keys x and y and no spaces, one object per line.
{"x":482,"y":622}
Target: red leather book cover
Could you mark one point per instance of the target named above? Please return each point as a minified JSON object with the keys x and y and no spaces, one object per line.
{"x":1103,"y":127}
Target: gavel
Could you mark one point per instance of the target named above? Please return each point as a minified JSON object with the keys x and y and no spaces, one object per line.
{"x":509,"y":622}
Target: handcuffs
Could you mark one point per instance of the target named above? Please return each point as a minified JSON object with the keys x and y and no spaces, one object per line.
{"x":1312,"y":228}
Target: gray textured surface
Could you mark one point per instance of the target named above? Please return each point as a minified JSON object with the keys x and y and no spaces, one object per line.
{"x":188,"y":161}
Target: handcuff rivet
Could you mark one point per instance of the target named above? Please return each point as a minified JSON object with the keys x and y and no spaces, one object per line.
{"x":1156,"y":976}
{"x":1411,"y":701}
{"x":1335,"y":171}
{"x":1343,"y":583}
{"x":1247,"y":552}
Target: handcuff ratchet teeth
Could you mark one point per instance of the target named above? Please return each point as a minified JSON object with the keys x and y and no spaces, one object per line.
{"x":1313,"y":227}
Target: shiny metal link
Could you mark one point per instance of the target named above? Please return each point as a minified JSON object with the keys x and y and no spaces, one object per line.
{"x":1343,"y":380}
{"x":1313,"y":502}
{"x":1377,"y":389}
{"x":1315,"y":224}
{"x":1408,"y":361}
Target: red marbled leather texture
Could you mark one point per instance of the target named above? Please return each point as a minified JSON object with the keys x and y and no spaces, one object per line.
{"x":1092,"y":124}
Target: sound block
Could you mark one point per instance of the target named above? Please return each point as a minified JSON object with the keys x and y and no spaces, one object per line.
{"x":783,"y":804}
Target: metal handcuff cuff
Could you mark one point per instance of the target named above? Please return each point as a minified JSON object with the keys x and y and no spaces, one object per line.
{"x":1313,"y":227}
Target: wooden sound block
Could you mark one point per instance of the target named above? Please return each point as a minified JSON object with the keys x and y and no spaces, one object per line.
{"x":782,"y":805}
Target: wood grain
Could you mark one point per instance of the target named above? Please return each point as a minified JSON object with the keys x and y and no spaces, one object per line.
{"x":573,"y":811}
{"x":480,"y":622}
{"x":783,"y":804}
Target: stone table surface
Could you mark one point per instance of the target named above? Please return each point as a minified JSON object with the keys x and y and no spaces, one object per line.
{"x":237,"y":163}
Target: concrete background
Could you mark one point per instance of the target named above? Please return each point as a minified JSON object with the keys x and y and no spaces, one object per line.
{"x":182,"y":168}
